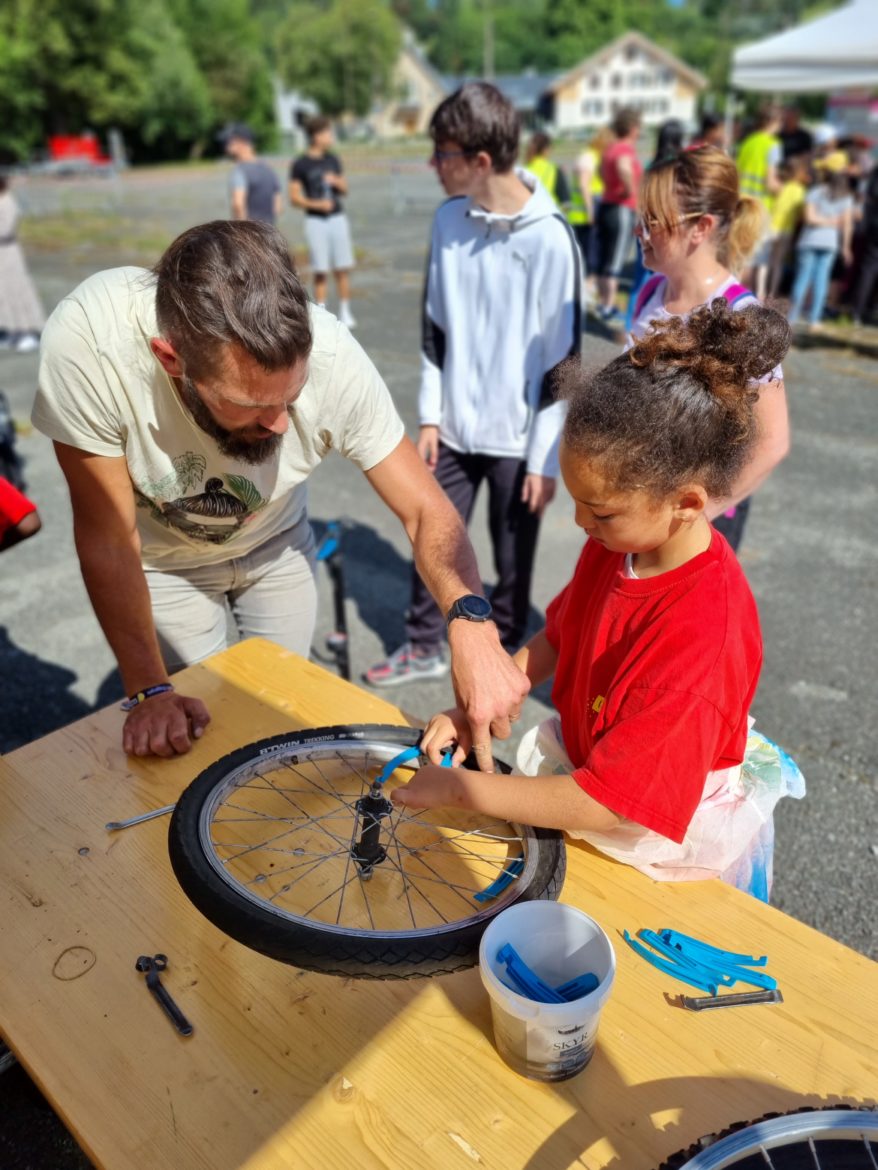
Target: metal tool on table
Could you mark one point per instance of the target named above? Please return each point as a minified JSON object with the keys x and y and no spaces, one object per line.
{"x":707,"y":967}
{"x":112,"y":826}
{"x":738,"y":999}
{"x":151,"y":965}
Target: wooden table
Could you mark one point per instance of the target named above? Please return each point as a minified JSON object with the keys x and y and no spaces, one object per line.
{"x":292,"y":1069}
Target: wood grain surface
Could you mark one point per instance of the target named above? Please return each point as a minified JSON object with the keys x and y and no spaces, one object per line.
{"x":293,"y":1069}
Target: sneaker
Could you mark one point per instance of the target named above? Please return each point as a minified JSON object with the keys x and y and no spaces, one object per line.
{"x":406,"y":666}
{"x":346,"y":316}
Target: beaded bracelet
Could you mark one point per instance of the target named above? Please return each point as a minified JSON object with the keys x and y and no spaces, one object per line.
{"x":147,"y":693}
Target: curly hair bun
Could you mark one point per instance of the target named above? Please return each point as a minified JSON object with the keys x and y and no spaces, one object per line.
{"x":723,"y":349}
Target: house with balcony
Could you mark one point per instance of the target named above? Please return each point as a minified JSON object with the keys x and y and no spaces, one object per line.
{"x":631,"y":71}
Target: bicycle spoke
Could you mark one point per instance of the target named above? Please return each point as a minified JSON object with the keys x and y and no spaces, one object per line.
{"x":305,"y":815}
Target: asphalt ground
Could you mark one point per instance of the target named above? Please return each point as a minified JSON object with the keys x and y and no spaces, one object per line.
{"x":809,"y":550}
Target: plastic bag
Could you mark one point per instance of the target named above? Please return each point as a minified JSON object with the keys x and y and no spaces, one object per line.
{"x":731,"y":834}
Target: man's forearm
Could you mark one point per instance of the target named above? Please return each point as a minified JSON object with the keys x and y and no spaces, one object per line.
{"x":116,"y":585}
{"x":444,"y":556}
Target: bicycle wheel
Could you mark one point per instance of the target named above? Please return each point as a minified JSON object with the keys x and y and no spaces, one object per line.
{"x":287,"y":846}
{"x":840,"y":1138}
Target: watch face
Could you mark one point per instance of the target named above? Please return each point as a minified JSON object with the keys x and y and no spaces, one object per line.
{"x":476,"y":607}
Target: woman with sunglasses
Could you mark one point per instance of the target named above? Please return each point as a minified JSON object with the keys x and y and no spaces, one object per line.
{"x":696,"y":230}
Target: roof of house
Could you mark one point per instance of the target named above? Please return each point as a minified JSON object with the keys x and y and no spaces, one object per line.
{"x":630,"y":38}
{"x":524,"y":90}
{"x":411,"y":46}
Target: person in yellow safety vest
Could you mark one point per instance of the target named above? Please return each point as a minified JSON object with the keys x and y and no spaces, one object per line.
{"x":759,"y":156}
{"x":538,"y":163}
{"x":758,"y":159}
{"x":586,"y":189}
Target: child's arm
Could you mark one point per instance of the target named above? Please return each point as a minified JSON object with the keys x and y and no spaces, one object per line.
{"x":537,"y":658}
{"x":550,"y":802}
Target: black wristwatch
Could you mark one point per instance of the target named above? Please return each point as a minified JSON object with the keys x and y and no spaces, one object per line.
{"x":471,"y":607}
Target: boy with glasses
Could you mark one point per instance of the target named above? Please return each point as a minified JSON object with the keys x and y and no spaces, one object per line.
{"x":501,"y":312}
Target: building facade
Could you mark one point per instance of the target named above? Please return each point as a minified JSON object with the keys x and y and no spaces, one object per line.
{"x":632,"y":71}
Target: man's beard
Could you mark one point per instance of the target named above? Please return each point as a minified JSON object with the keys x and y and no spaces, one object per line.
{"x":235,"y":444}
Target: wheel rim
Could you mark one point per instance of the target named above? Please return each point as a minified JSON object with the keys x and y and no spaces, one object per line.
{"x":284,"y":832}
{"x":812,"y":1133}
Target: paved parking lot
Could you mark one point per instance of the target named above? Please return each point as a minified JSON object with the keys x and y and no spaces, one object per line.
{"x":810,"y":550}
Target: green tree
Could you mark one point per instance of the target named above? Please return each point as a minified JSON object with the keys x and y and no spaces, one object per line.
{"x":225,"y":39}
{"x":341,"y":55}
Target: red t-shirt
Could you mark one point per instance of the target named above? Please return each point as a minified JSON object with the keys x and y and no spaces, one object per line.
{"x":654,"y":680}
{"x":13,"y":506}
{"x":614,"y":189}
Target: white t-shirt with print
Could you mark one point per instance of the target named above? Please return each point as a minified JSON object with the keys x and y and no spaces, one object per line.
{"x":102,"y":390}
{"x":653,"y":311}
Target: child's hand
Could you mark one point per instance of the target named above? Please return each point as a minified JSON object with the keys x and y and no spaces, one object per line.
{"x":430,"y":787}
{"x":445,"y":729}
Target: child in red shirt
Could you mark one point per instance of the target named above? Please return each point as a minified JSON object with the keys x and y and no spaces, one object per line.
{"x":654,"y":645}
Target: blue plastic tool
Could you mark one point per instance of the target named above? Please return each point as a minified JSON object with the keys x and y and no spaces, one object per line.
{"x":509,"y":874}
{"x":694,"y":961}
{"x":685,"y":974}
{"x":686,"y":943}
{"x":582,"y":985}
{"x":407,"y":754}
{"x":524,"y":980}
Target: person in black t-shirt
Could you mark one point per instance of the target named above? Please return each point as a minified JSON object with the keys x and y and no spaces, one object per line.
{"x":316,"y":185}
{"x":795,"y":140}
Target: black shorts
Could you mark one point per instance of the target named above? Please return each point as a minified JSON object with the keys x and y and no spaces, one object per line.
{"x":615,"y":232}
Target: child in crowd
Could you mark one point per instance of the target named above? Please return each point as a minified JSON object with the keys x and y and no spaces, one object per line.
{"x":828,"y":226}
{"x":786,"y":216}
{"x":654,"y":645}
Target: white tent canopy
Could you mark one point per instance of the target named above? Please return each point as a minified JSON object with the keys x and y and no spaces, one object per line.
{"x":836,"y":51}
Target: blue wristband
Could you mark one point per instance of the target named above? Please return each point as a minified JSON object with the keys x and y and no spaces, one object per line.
{"x":147,"y":693}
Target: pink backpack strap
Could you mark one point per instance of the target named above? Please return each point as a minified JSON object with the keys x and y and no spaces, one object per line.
{"x":645,"y":293}
{"x":735,"y":292}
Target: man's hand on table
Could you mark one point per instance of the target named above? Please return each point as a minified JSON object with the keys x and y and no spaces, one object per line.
{"x":165,"y":725}
{"x":488,"y":686}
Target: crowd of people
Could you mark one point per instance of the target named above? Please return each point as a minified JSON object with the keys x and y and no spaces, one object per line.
{"x":817,"y":192}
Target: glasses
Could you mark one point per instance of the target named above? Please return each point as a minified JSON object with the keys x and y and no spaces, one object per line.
{"x":645,"y":228}
{"x":439,"y":156}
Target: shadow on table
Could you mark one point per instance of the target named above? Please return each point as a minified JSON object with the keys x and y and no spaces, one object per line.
{"x":36,"y":697}
{"x":719,"y":1102}
{"x":378,"y":581}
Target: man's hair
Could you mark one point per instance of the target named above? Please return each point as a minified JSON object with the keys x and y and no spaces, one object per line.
{"x":316,"y":125}
{"x":625,"y":121}
{"x":478,"y":117}
{"x":231,"y":282}
{"x":765,"y":116}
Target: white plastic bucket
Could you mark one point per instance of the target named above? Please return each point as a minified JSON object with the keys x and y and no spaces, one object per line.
{"x":547,"y":1041}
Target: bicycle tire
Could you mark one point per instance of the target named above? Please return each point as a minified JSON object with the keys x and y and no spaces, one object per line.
{"x":838,"y":1137}
{"x":258,"y":919}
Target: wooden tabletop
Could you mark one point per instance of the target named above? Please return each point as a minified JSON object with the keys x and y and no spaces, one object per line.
{"x":293,"y":1069}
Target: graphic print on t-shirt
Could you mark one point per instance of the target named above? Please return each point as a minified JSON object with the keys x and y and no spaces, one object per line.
{"x":213,"y":515}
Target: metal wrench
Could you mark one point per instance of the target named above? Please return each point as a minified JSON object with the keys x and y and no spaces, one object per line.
{"x":112,"y":826}
{"x":150,"y":965}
